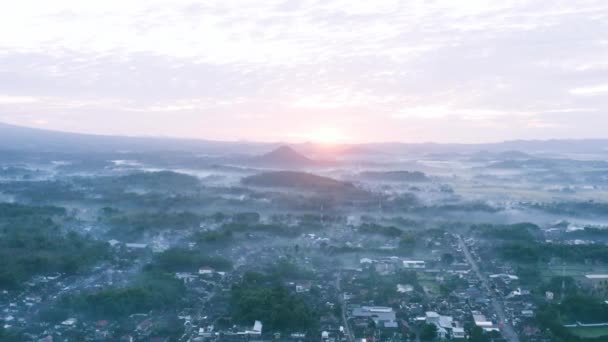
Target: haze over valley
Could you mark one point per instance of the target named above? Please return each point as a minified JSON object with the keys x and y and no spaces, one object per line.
{"x":154,"y":237}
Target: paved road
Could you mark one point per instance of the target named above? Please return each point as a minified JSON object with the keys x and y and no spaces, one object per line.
{"x":349,"y":335}
{"x":506,"y":329}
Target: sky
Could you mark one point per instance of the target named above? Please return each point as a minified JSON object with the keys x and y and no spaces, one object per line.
{"x":321,"y":70}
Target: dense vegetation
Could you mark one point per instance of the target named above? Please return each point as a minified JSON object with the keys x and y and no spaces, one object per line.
{"x":388,"y":231}
{"x":395,"y":176}
{"x":258,"y":296}
{"x":533,"y":252}
{"x":133,"y":225}
{"x":513,"y":232}
{"x":574,"y":308}
{"x":574,"y":208}
{"x":149,"y":291}
{"x":184,"y":260}
{"x":301,"y":181}
{"x":36,"y":245}
{"x":162,"y":181}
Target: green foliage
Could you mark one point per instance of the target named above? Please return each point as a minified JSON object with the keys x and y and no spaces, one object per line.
{"x":523,"y":253}
{"x":452,"y":283}
{"x":284,"y":269}
{"x":388,"y":231}
{"x":592,"y":233}
{"x":273,"y":304}
{"x":274,"y":229}
{"x":576,"y":308}
{"x":555,"y":285}
{"x":218,"y":236}
{"x":150,"y":291}
{"x":528,"y":274}
{"x":407,"y":242}
{"x":476,"y":334}
{"x":574,"y":208}
{"x":184,"y":260}
{"x":13,"y":211}
{"x":447,"y":258}
{"x":43,"y":191}
{"x":161,"y":181}
{"x":428,"y":332}
{"x":246,"y":218}
{"x":464,"y":207}
{"x":532,"y":252}
{"x":581,"y":308}
{"x":396,"y":176}
{"x":513,"y":232}
{"x":35,"y":245}
{"x":136,"y":224}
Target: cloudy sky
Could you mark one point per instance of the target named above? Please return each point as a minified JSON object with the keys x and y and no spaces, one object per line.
{"x":326,"y":70}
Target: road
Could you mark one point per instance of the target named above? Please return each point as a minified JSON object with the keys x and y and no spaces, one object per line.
{"x":506,"y":329}
{"x":349,"y":335}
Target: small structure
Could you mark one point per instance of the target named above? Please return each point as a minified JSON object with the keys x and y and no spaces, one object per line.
{"x":419,"y":264}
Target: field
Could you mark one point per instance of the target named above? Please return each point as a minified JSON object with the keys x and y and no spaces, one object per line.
{"x":577,"y":271}
{"x":590,"y":332}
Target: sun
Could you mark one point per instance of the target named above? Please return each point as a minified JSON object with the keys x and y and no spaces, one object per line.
{"x":327,"y":135}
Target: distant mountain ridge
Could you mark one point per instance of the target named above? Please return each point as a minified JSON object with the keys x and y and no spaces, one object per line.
{"x":19,"y":138}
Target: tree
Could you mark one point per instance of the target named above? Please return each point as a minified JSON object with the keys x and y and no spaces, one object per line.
{"x":428,"y":332}
{"x":476,"y":335}
{"x":447,"y":258}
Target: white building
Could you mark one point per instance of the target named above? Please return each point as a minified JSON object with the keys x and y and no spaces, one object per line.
{"x":444,"y":324}
{"x":414,"y":264}
{"x":382,"y":316}
{"x":482,"y":322}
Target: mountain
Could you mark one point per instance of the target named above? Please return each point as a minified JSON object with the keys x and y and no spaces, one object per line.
{"x":283,"y":156}
{"x":19,"y":138}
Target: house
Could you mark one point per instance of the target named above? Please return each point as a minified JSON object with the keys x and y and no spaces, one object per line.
{"x":458,"y":333}
{"x":303,"y":287}
{"x":596,"y":280}
{"x":206,"y":271}
{"x":404,"y":288}
{"x":256,"y":330}
{"x":186,"y":277}
{"x":136,"y":245}
{"x":483,"y":323}
{"x":69,"y":322}
{"x":444,"y":324}
{"x":366,"y":261}
{"x":417,"y":264}
{"x":480,"y":320}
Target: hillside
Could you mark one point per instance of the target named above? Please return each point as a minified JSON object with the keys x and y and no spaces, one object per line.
{"x":297,"y":180}
{"x":284,"y":156}
{"x":395,"y":176}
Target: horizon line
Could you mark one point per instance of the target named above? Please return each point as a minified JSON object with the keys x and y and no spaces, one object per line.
{"x":303,"y":142}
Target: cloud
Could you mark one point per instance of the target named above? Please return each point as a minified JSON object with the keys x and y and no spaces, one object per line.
{"x":394,"y":65}
{"x":9,"y":99}
{"x":590,"y":91}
